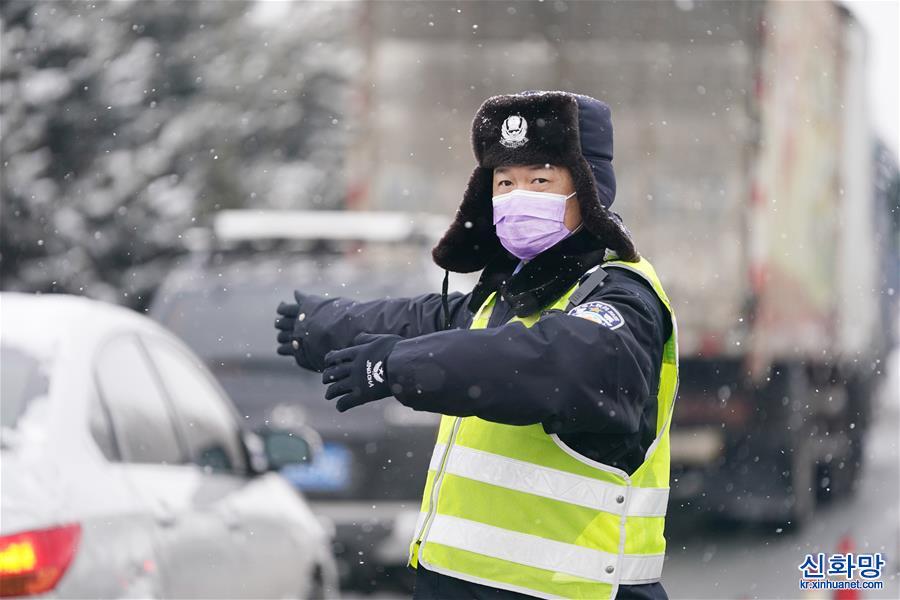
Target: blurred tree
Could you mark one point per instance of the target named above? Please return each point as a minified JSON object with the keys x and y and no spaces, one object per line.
{"x":125,"y":122}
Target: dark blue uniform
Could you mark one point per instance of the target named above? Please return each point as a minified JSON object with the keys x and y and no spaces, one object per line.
{"x":592,"y":384}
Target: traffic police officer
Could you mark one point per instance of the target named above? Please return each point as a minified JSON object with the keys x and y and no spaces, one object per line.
{"x":556,"y":375}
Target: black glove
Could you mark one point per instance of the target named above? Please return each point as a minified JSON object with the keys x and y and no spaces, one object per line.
{"x":359,"y":372}
{"x":292,"y":330}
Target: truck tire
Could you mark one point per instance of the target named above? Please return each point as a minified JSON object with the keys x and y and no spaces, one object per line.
{"x":802,"y":482}
{"x":841,"y":476}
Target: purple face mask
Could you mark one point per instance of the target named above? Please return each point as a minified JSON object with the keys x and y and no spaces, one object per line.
{"x":528,"y":223}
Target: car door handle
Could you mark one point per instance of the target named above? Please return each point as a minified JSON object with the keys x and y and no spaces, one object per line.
{"x":165,"y":516}
{"x":166,"y":520}
{"x":232,"y":520}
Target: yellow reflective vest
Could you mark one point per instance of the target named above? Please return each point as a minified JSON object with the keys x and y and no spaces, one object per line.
{"x":512,"y":507}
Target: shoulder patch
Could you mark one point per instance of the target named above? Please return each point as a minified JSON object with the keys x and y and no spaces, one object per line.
{"x":599,"y":312}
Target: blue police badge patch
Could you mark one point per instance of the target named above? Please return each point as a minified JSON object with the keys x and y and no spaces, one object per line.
{"x":599,"y":312}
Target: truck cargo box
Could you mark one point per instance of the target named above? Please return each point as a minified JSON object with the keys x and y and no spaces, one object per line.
{"x":740,"y":147}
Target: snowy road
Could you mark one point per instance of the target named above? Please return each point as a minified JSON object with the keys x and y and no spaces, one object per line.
{"x":704,"y":563}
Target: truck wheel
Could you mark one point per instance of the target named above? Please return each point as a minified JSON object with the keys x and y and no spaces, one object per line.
{"x":802,"y":483}
{"x":791,"y":388}
{"x":860,"y":392}
{"x":840,"y":477}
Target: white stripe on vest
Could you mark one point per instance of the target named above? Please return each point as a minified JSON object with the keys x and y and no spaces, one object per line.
{"x":550,"y":483}
{"x":542,"y":553}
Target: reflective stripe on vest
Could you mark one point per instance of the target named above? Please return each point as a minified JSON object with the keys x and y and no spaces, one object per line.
{"x":526,"y":477}
{"x":514,"y":508}
{"x":537,"y":551}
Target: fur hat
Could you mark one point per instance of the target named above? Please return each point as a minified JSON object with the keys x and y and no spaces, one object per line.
{"x":559,"y":128}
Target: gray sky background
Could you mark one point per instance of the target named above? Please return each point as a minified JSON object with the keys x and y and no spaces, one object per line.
{"x":881,"y":18}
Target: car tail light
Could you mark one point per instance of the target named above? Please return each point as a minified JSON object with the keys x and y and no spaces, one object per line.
{"x":33,"y":562}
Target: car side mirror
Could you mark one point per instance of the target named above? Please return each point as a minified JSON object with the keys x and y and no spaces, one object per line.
{"x":284,"y":447}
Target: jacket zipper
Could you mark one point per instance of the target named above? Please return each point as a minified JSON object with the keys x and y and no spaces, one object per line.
{"x":432,"y":509}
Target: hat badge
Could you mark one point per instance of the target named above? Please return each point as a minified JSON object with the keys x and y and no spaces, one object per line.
{"x":512,"y":133}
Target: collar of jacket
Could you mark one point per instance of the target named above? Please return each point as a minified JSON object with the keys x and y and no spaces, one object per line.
{"x":543,"y":279}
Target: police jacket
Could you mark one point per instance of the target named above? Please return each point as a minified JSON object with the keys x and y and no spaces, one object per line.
{"x":593,"y":384}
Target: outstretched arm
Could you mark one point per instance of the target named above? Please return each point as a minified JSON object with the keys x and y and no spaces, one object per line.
{"x":586,"y":371}
{"x":320,"y":324}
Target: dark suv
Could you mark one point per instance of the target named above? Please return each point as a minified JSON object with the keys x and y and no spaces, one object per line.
{"x":367,"y":481}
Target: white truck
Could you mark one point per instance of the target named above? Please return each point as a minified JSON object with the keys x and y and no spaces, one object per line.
{"x":744,"y":158}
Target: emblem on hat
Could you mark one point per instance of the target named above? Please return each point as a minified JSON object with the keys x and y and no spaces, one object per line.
{"x":512,"y":134}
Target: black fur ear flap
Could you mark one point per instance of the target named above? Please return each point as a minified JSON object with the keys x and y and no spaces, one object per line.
{"x":610,"y":228}
{"x":598,"y":219}
{"x":471,"y":239}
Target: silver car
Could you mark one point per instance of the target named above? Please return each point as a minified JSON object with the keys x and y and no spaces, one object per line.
{"x":126,"y":472}
{"x":220,"y":300}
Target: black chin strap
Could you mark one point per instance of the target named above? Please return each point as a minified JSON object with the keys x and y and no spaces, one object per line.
{"x":445,"y":304}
